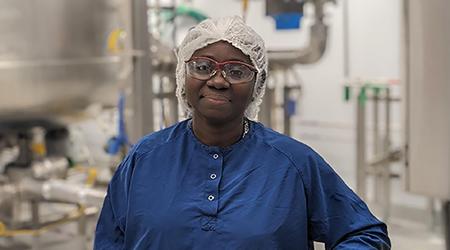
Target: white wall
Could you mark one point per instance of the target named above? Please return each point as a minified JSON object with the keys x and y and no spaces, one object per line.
{"x":375,"y":37}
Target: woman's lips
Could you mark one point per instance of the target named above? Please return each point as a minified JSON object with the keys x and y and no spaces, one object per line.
{"x":216,"y":99}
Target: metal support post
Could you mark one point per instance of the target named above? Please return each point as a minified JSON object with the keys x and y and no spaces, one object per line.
{"x":286,"y":115}
{"x":376,"y":145}
{"x":34,"y":208}
{"x":446,"y":212}
{"x":386,"y":170}
{"x":361,"y":171}
{"x":82,"y":228}
{"x":265,"y":116}
{"x":142,"y":96}
{"x":172,"y":116}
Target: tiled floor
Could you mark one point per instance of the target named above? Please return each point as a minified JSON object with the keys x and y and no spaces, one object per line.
{"x":406,"y":235}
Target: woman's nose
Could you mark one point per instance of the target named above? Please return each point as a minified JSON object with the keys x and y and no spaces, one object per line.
{"x":218,"y":81}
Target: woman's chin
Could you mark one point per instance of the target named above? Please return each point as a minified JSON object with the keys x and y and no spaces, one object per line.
{"x":215,"y":116}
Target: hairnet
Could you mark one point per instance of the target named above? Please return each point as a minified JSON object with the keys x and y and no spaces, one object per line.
{"x":238,"y":34}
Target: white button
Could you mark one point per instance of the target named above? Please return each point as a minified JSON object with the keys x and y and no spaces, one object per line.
{"x":211,"y":197}
{"x":213,"y":176}
{"x":215,"y":156}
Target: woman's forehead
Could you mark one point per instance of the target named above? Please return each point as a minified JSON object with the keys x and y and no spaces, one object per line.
{"x":222,"y":51}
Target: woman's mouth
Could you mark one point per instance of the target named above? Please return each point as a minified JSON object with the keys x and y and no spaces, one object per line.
{"x":215,"y":99}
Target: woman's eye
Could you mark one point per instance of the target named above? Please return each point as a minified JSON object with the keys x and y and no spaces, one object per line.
{"x":236,"y":73}
{"x":202,"y":67}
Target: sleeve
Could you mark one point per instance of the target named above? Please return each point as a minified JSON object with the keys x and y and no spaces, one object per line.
{"x":110,"y":230}
{"x":336,"y":215}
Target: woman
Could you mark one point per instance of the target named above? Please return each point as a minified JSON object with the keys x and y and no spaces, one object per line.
{"x":220,"y":180}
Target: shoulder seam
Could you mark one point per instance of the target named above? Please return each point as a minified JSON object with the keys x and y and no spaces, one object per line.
{"x":151,"y":149}
{"x":290,"y":159}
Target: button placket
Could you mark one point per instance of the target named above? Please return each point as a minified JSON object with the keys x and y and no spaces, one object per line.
{"x":212,"y":177}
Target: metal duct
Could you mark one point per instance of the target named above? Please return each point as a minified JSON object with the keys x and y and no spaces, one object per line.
{"x":50,"y":167}
{"x":310,"y":54}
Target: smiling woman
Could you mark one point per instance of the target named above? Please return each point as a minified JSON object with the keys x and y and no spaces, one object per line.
{"x":220,"y":99}
{"x":221,"y":180}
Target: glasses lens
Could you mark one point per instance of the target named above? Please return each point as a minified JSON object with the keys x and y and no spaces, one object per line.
{"x":233,"y":72}
{"x":238,"y":73}
{"x":200,"y":68}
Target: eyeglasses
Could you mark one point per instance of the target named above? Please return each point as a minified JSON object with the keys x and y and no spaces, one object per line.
{"x":234,"y":72}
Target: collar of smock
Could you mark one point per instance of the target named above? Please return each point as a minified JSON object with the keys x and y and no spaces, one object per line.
{"x":217,"y":149}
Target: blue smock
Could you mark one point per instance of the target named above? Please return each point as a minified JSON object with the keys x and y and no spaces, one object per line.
{"x":267,"y":191}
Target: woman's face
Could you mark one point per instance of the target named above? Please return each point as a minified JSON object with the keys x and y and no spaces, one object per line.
{"x":216,"y":100}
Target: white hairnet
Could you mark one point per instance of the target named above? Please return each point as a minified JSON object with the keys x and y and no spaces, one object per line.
{"x":238,"y":34}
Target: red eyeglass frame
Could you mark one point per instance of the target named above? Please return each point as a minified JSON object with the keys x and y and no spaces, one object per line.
{"x":219,"y":65}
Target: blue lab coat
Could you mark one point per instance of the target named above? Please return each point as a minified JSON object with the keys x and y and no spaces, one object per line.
{"x":267,"y":191}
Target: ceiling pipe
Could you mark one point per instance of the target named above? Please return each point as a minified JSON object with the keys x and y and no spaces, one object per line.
{"x":317,"y":43}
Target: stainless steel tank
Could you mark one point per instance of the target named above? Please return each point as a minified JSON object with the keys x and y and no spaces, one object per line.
{"x":53,"y":55}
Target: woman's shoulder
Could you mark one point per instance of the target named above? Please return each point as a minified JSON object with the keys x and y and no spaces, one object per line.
{"x":280,"y":141}
{"x":295,"y":150}
{"x":158,"y":138}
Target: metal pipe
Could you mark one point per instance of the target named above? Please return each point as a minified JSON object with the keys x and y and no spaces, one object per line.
{"x":346,"y":39}
{"x":386,"y":171}
{"x":311,"y":54}
{"x":172,"y":101}
{"x":361,"y":171}
{"x":387,"y":157}
{"x":376,"y":143}
{"x":142,"y":73}
{"x":34,"y":208}
{"x":7,"y":193}
{"x":446,"y":212}
{"x":286,"y":116}
{"x":62,"y":191}
{"x":10,"y":202}
{"x":406,"y":90}
{"x":286,"y":91}
{"x":265,"y":116}
{"x":50,"y":167}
